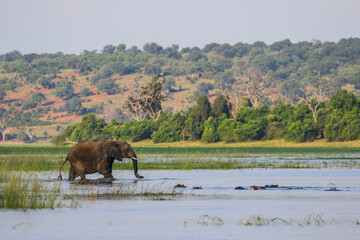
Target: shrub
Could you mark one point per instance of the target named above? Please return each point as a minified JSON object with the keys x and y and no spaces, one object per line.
{"x":226,"y":131}
{"x":302,"y":131}
{"x":170,"y":128}
{"x":210,"y":132}
{"x":275,"y":130}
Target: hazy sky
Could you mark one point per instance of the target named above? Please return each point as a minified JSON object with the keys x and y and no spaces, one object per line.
{"x":71,"y":26}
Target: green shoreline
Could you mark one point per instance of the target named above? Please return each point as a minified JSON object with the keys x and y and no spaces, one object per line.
{"x":186,"y":149}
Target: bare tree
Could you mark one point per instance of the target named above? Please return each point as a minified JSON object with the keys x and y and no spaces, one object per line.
{"x":234,"y":99}
{"x":311,"y":93}
{"x":147,"y":100}
{"x":313,"y":96}
{"x":28,"y":131}
{"x":255,"y":88}
{"x":3,"y":127}
{"x":136,"y":106}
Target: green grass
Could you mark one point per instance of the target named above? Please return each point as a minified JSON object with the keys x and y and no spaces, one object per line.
{"x":30,"y":149}
{"x":40,"y":158}
{"x":19,"y":191}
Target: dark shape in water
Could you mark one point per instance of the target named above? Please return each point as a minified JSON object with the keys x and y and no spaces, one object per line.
{"x":180,"y":186}
{"x":239,"y":188}
{"x":272,"y":186}
{"x":332,"y":189}
{"x":197,"y":187}
{"x":91,"y":182}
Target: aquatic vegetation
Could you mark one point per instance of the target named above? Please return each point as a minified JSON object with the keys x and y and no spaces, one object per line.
{"x":207,"y":220}
{"x":310,"y":219}
{"x":19,"y":191}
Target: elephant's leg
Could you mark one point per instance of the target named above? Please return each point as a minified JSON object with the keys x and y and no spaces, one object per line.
{"x":107,"y":175}
{"x":82,"y":175}
{"x":72,"y":173}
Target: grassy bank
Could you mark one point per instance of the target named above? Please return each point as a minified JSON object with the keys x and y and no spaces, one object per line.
{"x":148,"y":147}
{"x":187,"y":155}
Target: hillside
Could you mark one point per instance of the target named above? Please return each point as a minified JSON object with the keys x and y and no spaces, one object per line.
{"x":41,"y":94}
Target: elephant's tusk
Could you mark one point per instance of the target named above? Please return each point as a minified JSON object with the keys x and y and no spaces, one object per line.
{"x":134,"y":158}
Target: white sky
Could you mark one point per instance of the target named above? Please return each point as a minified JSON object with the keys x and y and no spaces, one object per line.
{"x":71,"y":26}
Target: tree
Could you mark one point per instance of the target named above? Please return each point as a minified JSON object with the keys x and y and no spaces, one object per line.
{"x":220,"y":106}
{"x":168,"y":84}
{"x":152,"y":48}
{"x":34,"y":101}
{"x":203,"y":88}
{"x":108,"y":49}
{"x":64,"y":89}
{"x":234,"y":99}
{"x":2,"y":94}
{"x":254,"y":86}
{"x":46,"y":82}
{"x":73,"y":105}
{"x":85,"y":92}
{"x":224,"y":79}
{"x":88,"y":129}
{"x":202,"y":108}
{"x":121,"y":47}
{"x":4,"y":122}
{"x":107,"y":85}
{"x":147,"y":100}
{"x":313,"y":97}
{"x":210,"y":132}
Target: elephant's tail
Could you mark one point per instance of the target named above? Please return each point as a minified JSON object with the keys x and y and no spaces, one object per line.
{"x":66,"y":159}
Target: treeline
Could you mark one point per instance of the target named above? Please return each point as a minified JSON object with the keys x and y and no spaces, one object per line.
{"x":288,"y":65}
{"x":338,"y":120}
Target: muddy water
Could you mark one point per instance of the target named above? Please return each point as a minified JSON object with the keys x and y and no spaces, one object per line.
{"x":332,"y":193}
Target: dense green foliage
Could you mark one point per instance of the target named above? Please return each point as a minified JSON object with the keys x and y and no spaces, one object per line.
{"x":286,"y":68}
{"x":338,"y":121}
{"x":288,"y":65}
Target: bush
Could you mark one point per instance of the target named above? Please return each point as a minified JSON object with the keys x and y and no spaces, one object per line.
{"x":194,"y":126}
{"x":85,"y":92}
{"x":226,"y":131}
{"x":171,"y":128}
{"x":302,"y":131}
{"x":107,"y":85}
{"x":210,"y":132}
{"x":60,"y":139}
{"x":253,"y":130}
{"x":74,"y":105}
{"x":88,"y":129}
{"x":133,"y":131}
{"x":275,"y":130}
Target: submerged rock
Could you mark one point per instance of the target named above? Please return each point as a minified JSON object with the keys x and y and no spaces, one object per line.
{"x":180,"y":186}
{"x":239,"y":188}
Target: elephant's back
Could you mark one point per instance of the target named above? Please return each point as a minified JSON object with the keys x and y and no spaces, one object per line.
{"x":84,"y":150}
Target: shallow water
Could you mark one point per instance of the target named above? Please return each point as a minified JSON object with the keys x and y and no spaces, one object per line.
{"x":301,"y":192}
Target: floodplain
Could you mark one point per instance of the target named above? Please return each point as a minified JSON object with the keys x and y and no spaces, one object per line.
{"x":186,"y":193}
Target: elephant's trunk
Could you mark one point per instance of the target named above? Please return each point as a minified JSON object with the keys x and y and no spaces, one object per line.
{"x":134,"y":160}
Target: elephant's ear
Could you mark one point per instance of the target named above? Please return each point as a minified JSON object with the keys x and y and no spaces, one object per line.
{"x":111,"y":148}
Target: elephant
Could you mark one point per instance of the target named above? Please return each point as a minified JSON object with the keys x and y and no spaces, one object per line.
{"x":91,"y":157}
